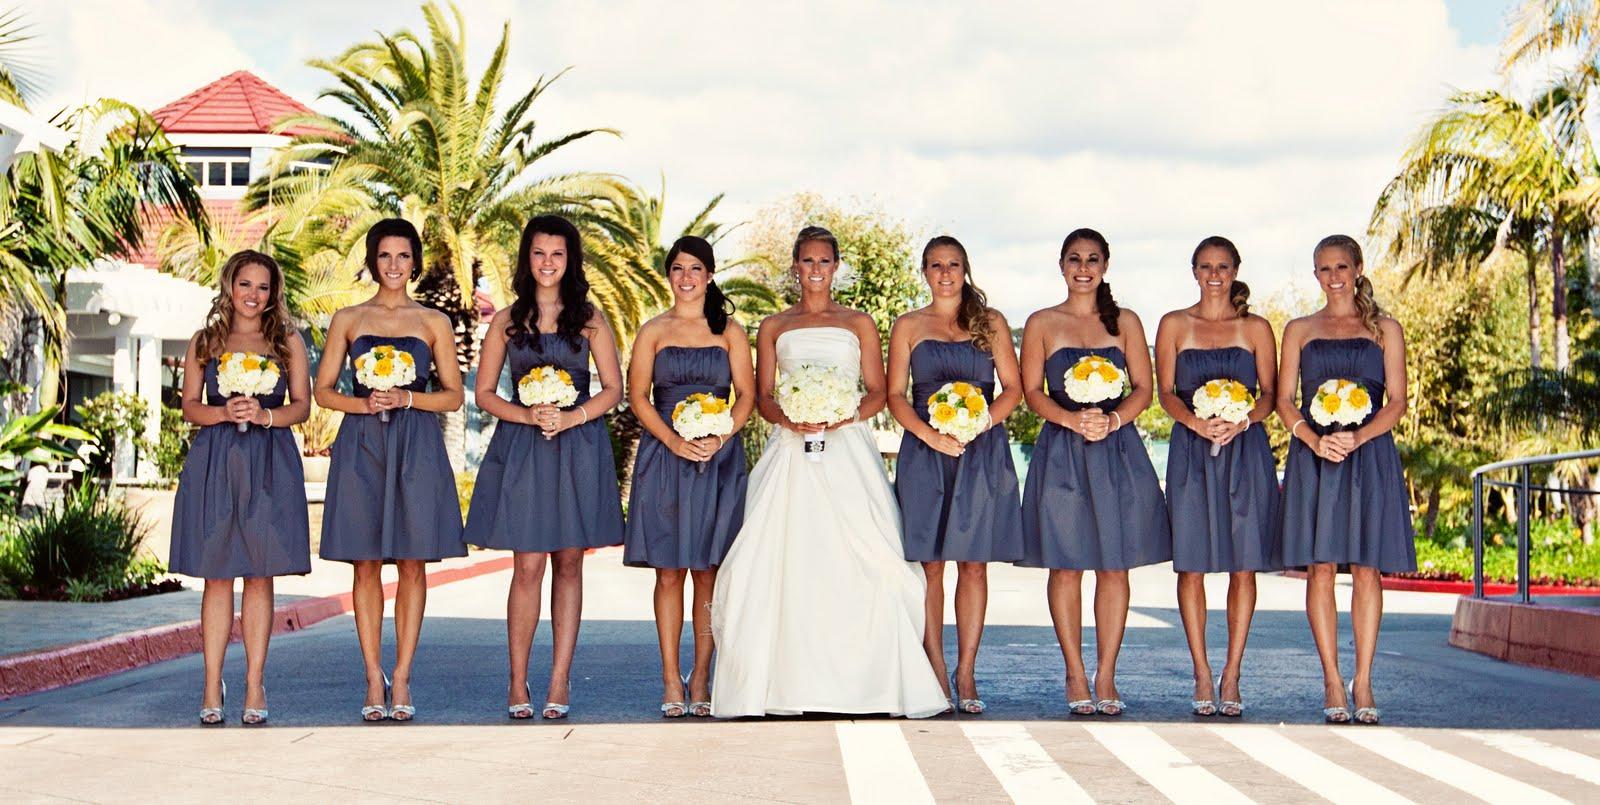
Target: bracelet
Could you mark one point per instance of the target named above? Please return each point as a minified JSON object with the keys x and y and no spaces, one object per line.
{"x":1119,"y":419}
{"x":269,"y":417}
{"x":721,"y":440}
{"x":1297,"y":424}
{"x":585,"y":413}
{"x":410,"y":398}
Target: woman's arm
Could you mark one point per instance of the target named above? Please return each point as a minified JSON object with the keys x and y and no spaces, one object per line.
{"x":1168,"y":333}
{"x":641,"y":377}
{"x":325,"y":390}
{"x":1394,"y":384}
{"x":446,"y":370}
{"x":298,"y":408}
{"x":899,"y":378}
{"x":1265,"y":347}
{"x":1137,"y":352}
{"x":744,"y":375}
{"x":491,"y":360}
{"x":1288,"y":378}
{"x":1005,"y":369}
{"x":871,"y":368}
{"x":195,"y":410}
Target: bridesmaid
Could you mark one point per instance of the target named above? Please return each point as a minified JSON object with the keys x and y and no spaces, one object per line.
{"x":1224,"y":505}
{"x":958,"y":502}
{"x":241,"y":503}
{"x":687,"y":501}
{"x":548,"y":483}
{"x":1344,"y":495}
{"x":391,"y":493}
{"x":1092,"y":501}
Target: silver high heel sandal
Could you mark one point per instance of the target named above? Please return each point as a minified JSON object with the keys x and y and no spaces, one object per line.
{"x":252,"y":716}
{"x":1363,"y":715}
{"x":1339,"y":714}
{"x":523,"y":711}
{"x":403,"y":712}
{"x":1110,"y":707}
{"x":372,"y":713}
{"x":677,"y":709}
{"x":553,"y":711}
{"x":212,"y":716}
{"x":1079,"y":707}
{"x":973,"y":706}
{"x":1229,"y":708}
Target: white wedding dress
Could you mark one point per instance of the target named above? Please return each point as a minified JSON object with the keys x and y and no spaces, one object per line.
{"x":816,"y":608}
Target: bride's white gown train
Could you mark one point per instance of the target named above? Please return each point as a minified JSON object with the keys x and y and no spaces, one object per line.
{"x":816,"y":608}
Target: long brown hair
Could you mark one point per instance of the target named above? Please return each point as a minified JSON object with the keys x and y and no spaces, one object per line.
{"x":1366,"y":302}
{"x":1104,"y":302}
{"x":276,"y":325}
{"x":973,"y":314}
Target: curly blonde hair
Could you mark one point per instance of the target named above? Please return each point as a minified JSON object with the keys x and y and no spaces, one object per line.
{"x":276,"y":325}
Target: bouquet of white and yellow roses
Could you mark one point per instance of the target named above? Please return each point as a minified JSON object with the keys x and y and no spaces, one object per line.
{"x":959,"y":410}
{"x":818,"y":395}
{"x":384,"y":368}
{"x":701,"y":415}
{"x":1340,"y":402}
{"x":247,"y":374}
{"x":1226,"y":399}
{"x":1094,"y":379}
{"x":547,"y":385}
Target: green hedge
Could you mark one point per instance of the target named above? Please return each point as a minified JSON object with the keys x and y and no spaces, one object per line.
{"x":1558,"y":555}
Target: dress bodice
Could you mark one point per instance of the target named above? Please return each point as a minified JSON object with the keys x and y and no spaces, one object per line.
{"x":1356,"y":359}
{"x":681,"y":371}
{"x":280,"y":392}
{"x":418,"y":348}
{"x":1062,"y":360}
{"x":1197,"y":367}
{"x":820,"y":346}
{"x":935,"y":363}
{"x":550,"y":349}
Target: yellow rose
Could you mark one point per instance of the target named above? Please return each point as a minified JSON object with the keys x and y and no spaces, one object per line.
{"x":1239,"y":392}
{"x":1330,"y":403}
{"x":384,"y":367}
{"x":960,"y":389}
{"x":565,"y":378}
{"x":361,"y":361}
{"x":1082,"y":370}
{"x":250,"y":364}
{"x":944,"y":412}
{"x":405,"y":358}
{"x":1108,"y":373}
{"x":976,"y":404}
{"x":1358,"y":397}
{"x":677,"y":410}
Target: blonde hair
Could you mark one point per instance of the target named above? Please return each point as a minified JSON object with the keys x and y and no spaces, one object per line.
{"x":1366,"y":302}
{"x":275,"y":323}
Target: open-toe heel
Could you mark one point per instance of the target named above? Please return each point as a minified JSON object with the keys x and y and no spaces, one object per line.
{"x":212,"y":716}
{"x":255,"y":717}
{"x":523,"y":711}
{"x":373,"y":713}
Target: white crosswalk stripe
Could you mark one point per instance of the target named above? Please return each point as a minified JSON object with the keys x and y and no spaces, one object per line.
{"x":1445,"y":767}
{"x":1162,"y":765}
{"x":1274,"y":750}
{"x":1547,"y":755}
{"x":1026,"y":772}
{"x":878,"y":766}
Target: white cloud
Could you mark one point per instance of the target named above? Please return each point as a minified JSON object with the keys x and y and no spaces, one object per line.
{"x":1158,"y":123}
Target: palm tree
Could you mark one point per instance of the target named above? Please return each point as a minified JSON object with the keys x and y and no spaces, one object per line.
{"x":419,"y":139}
{"x":1491,"y":173}
{"x":1541,"y":28}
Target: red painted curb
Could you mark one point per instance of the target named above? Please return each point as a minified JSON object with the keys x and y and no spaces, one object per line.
{"x":1399,"y":584}
{"x":66,"y":665}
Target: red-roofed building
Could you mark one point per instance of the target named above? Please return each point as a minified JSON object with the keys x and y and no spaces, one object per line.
{"x":225,"y":130}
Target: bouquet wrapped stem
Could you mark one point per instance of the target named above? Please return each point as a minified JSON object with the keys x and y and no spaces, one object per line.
{"x":817,"y":395}
{"x":1225,"y":399}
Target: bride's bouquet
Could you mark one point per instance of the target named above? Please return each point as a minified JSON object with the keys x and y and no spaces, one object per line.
{"x":1094,"y":379}
{"x":702,"y":415}
{"x":818,"y":395}
{"x":246,"y":373}
{"x":384,"y":368}
{"x":959,"y":410}
{"x":1225,"y":399}
{"x":1340,"y":402}
{"x":547,"y":385}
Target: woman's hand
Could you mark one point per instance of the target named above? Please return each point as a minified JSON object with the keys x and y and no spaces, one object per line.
{"x":541,"y":415}
{"x":802,"y":428}
{"x":562,"y":420}
{"x":242,"y":409}
{"x":1334,"y":447}
{"x":1221,"y":432}
{"x":384,"y":400}
{"x":944,"y":443}
{"x":691,"y":450}
{"x":1090,"y":423}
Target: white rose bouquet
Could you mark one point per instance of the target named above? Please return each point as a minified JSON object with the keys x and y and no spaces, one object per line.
{"x":1225,"y":399}
{"x":246,"y":374}
{"x":817,"y":395}
{"x":702,"y":415}
{"x":959,"y":410}
{"x":1094,"y":379}
{"x":1341,"y":402}
{"x":547,"y":385}
{"x":384,"y":368}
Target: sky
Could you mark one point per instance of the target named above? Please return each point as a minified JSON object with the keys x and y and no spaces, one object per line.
{"x":1273,"y":122}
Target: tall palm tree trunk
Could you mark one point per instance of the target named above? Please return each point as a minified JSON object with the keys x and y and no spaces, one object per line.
{"x":1558,"y":302}
{"x":1534,"y":336}
{"x":439,"y":290}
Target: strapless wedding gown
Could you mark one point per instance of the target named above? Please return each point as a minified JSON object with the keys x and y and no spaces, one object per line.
{"x":816,"y":608}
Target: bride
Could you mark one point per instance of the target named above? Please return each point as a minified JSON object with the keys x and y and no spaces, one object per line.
{"x":816,"y":609}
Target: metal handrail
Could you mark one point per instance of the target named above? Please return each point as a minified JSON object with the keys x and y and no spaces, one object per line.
{"x":1524,"y":493}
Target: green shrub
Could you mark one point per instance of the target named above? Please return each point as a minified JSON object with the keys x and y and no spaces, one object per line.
{"x":173,"y":448}
{"x":108,"y":416}
{"x":87,"y":536}
{"x":1557,"y":555}
{"x":1023,"y":425}
{"x":81,"y":590}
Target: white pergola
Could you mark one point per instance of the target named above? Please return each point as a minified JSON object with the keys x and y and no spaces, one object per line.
{"x":130,"y":317}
